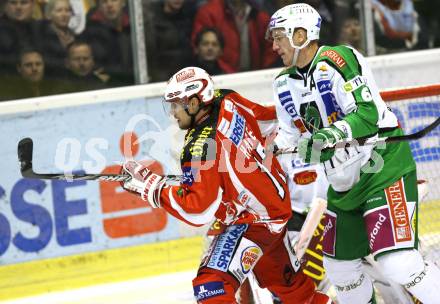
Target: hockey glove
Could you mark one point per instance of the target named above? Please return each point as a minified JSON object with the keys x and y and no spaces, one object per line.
{"x":144,"y":182}
{"x":315,"y":149}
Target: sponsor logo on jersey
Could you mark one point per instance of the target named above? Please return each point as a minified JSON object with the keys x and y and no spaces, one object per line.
{"x":399,"y":213}
{"x":374,"y":199}
{"x":332,"y":108}
{"x":225,"y":246}
{"x":249,"y":257}
{"x":329,"y":233}
{"x":351,"y":286}
{"x":353,"y":84}
{"x":335,"y":57}
{"x":324,"y":86}
{"x":236,"y":131}
{"x":187,"y":175}
{"x":416,"y":280}
{"x":196,"y":148}
{"x":373,"y":234}
{"x":243,"y":198}
{"x":184,"y":75}
{"x":306,"y":94}
{"x":281,"y":83}
{"x":286,"y":101}
{"x":305,"y":177}
{"x":299,"y":163}
{"x":208,"y":290}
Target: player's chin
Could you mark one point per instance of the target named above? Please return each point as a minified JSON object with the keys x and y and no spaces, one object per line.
{"x":183,"y":125}
{"x":286,"y":61}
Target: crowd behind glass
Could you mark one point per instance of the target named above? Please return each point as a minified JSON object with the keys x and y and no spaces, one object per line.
{"x":61,"y":46}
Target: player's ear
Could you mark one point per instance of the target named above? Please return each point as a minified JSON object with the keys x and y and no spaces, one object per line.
{"x":304,"y":35}
{"x":301,"y":34}
{"x":193,"y":104}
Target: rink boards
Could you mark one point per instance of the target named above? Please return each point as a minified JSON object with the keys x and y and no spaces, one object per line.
{"x":41,"y":276}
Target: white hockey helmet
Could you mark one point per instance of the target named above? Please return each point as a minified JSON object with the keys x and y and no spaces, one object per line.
{"x":189,"y":82}
{"x":293,"y":16}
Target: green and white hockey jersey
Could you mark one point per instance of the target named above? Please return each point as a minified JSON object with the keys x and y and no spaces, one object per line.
{"x":339,"y":89}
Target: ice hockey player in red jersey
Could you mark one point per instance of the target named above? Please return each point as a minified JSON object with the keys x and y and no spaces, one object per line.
{"x":226,"y":176}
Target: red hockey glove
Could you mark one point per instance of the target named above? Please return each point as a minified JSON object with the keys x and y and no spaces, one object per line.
{"x":143,"y":181}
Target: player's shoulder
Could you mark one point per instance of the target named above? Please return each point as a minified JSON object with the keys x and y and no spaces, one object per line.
{"x":285,"y":73}
{"x":220,"y":94}
{"x":341,"y":58}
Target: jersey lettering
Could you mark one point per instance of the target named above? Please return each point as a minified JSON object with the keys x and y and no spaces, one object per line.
{"x":312,"y":83}
{"x":237,"y":129}
{"x":335,"y":57}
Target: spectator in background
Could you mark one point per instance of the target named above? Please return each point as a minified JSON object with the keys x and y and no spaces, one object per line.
{"x":17,"y":31}
{"x":351,"y":34}
{"x":55,"y":35}
{"x":81,"y":71}
{"x":168,"y":26}
{"x":429,"y":23}
{"x":244,"y":27}
{"x":29,"y":82}
{"x":396,"y":25}
{"x":272,"y":6}
{"x":209,"y":48}
{"x":108,"y":32}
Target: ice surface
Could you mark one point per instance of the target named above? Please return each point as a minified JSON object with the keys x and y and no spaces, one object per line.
{"x":175,"y":288}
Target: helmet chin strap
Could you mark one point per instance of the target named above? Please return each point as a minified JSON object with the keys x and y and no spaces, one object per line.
{"x":297,"y":49}
{"x":193,"y":116}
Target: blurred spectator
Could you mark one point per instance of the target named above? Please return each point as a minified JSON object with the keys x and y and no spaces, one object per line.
{"x":168,"y":26}
{"x":244,"y":27}
{"x":429,"y":22}
{"x":17,"y":31}
{"x":55,"y":35}
{"x":108,"y":32}
{"x":29,"y":82}
{"x":209,"y":48}
{"x":81,"y":72}
{"x":351,"y":34}
{"x":272,"y":6}
{"x":396,"y":25}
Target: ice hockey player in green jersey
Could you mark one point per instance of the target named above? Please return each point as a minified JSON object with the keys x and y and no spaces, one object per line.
{"x":326,"y":95}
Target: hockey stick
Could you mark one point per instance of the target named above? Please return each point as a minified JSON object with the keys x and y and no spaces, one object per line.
{"x":25,"y":151}
{"x":317,"y":209}
{"x":374,"y":141}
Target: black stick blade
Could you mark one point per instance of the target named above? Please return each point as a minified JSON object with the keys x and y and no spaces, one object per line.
{"x":25,"y":147}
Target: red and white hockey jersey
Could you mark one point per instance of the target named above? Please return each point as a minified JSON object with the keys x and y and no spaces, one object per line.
{"x":226,"y":174}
